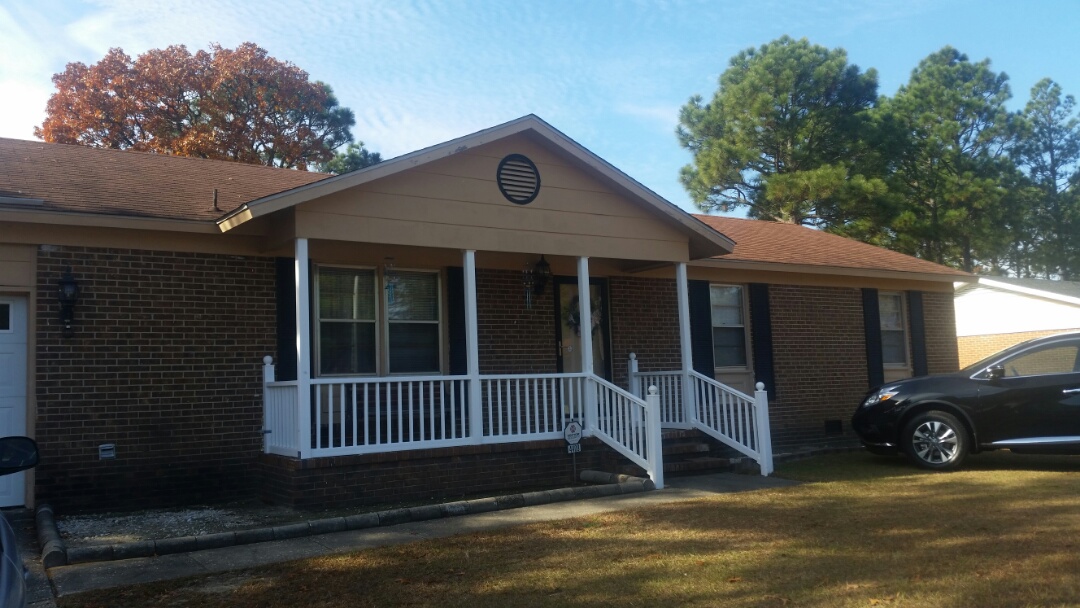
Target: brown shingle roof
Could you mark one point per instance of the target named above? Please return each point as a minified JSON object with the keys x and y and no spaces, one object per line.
{"x":115,"y":182}
{"x":779,"y":243}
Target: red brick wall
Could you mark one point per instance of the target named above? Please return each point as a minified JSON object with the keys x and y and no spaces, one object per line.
{"x":974,"y":348}
{"x":644,"y":321}
{"x":165,"y":363}
{"x":513,"y":339}
{"x":939,"y":320}
{"x":819,"y":355}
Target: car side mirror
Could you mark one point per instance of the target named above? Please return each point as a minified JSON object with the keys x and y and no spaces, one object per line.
{"x":17,"y":454}
{"x":996,"y":372}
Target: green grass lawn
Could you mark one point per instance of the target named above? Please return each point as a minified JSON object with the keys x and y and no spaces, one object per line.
{"x":1005,"y":531}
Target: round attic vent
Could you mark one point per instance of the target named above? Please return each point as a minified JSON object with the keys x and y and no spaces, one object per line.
{"x":519,"y":181}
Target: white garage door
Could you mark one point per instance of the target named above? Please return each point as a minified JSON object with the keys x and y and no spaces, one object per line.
{"x":12,"y":388}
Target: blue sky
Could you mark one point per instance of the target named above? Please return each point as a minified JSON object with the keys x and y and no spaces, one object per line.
{"x":610,"y":74}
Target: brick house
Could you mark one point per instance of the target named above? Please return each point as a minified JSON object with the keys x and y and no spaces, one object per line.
{"x":994,"y":313}
{"x":414,"y":328}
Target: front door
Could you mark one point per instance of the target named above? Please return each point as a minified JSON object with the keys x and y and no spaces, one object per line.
{"x":12,"y":388}
{"x":569,"y":329}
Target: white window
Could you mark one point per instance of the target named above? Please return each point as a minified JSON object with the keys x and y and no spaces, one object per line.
{"x":412,"y":305}
{"x":728,"y":326}
{"x":894,"y":349}
{"x":367,"y":325}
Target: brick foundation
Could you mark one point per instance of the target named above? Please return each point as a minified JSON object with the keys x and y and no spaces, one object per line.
{"x":442,"y":474}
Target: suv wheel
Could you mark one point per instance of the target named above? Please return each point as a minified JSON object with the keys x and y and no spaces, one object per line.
{"x":935,"y":440}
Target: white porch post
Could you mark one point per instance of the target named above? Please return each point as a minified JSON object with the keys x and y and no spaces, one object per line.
{"x":654,"y":442}
{"x":303,"y":349}
{"x":764,"y":432}
{"x":472,"y":349}
{"x":585,"y":327}
{"x":689,"y":407}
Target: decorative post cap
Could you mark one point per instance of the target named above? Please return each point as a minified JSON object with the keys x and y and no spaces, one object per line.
{"x":760,"y":386}
{"x":653,"y":390}
{"x":267,"y":360}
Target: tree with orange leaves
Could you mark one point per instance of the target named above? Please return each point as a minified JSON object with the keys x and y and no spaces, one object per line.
{"x":229,"y":104}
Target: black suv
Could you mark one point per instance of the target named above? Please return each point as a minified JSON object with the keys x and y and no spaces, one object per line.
{"x":1025,"y":398}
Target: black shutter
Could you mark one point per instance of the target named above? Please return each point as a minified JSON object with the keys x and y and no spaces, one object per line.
{"x":875,"y":366}
{"x":455,"y":312}
{"x":285,"y":294}
{"x":918,"y":333}
{"x":761,"y":332}
{"x":701,"y":341}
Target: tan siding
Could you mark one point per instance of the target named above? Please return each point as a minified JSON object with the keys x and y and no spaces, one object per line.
{"x":455,"y":203}
{"x":360,"y":229}
{"x":152,"y":240}
{"x":480,"y":163}
{"x":16,"y":266}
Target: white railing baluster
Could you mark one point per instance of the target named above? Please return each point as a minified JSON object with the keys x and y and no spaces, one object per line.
{"x":517,"y":408}
{"x":318,"y":416}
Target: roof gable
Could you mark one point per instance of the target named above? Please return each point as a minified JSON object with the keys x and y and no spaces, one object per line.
{"x":703,"y":241}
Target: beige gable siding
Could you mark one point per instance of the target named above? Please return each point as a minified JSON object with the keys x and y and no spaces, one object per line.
{"x":16,"y":266}
{"x":455,"y":203}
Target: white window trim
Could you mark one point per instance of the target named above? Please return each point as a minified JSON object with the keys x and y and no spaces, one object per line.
{"x":382,"y":323}
{"x":906,"y":326}
{"x":746,"y":330}
{"x":316,"y":340}
{"x":384,"y":347}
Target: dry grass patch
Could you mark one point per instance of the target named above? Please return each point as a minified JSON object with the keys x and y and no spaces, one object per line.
{"x":871,"y":532}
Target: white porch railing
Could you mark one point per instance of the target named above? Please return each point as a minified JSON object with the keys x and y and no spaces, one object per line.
{"x":528,"y":407}
{"x":370,"y":415}
{"x":630,"y":426}
{"x":732,"y":417}
{"x":669,"y":388}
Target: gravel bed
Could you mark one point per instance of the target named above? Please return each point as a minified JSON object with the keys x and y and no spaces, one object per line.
{"x":113,"y":528}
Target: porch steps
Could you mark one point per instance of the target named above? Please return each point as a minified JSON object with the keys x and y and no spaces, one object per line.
{"x":688,"y":452}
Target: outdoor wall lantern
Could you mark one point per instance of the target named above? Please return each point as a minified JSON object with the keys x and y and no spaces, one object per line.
{"x":534,"y":278}
{"x":68,"y":294}
{"x":542,"y":270}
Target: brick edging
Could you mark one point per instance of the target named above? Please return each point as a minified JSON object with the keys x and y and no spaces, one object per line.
{"x":59,"y":555}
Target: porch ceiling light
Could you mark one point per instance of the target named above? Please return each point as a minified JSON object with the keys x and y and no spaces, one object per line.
{"x":68,"y":294}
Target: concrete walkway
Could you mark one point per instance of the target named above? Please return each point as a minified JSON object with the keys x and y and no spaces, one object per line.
{"x":76,"y":578}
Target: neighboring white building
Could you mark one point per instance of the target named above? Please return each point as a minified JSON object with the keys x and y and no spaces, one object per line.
{"x":998,"y":312}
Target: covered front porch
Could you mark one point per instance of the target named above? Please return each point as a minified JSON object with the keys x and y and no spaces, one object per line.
{"x":321,"y":416}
